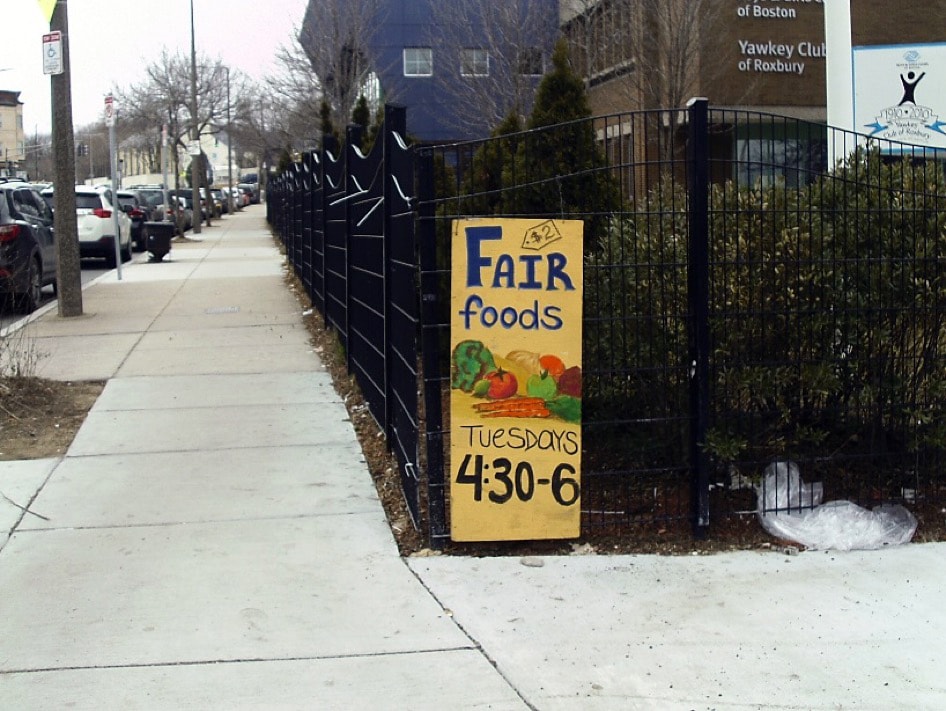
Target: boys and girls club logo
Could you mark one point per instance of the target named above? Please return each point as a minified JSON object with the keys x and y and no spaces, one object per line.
{"x":910,"y":120}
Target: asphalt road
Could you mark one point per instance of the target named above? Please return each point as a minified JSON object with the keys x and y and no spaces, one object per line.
{"x":90,"y":270}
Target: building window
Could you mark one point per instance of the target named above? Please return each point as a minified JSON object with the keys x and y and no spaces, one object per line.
{"x":530,"y":61}
{"x":474,"y":63}
{"x":418,"y":62}
{"x":764,"y":162}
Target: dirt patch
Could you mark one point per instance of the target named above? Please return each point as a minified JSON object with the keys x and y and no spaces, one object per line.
{"x":39,"y":418}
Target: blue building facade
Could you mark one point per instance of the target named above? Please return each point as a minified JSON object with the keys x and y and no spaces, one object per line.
{"x":458,"y":67}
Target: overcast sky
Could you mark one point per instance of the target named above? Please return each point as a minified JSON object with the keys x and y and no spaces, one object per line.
{"x":114,"y":40}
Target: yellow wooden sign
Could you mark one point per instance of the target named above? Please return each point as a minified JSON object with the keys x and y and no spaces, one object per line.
{"x":515,"y":405}
{"x":47,"y":7}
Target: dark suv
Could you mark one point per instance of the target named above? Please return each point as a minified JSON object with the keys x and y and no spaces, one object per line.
{"x":27,"y":248}
{"x":131,"y":203}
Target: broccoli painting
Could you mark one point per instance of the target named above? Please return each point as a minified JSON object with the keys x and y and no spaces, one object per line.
{"x":470,"y":362}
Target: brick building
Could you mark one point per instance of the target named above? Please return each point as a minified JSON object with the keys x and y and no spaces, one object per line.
{"x":765,"y":55}
{"x":12,"y":139}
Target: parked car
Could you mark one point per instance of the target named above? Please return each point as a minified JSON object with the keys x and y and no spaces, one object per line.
{"x":178,"y":211}
{"x":150,"y":196}
{"x":95,"y":222}
{"x":220,"y":199}
{"x":27,"y":246}
{"x":215,"y":206}
{"x":138,"y":213}
{"x":253,"y":189}
{"x":187,"y":199}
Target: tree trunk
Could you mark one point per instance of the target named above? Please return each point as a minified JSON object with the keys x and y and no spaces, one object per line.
{"x":68,"y":269}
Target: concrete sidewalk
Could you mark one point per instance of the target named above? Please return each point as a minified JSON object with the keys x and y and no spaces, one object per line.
{"x":213,"y":540}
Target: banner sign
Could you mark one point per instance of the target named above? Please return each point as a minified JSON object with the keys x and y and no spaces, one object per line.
{"x":47,"y":7}
{"x":515,"y":404}
{"x":898,"y":93}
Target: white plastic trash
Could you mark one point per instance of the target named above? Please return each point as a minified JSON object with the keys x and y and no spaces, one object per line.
{"x":791,"y":509}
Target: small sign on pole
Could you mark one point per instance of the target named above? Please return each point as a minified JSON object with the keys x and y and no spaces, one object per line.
{"x":109,"y":111}
{"x":52,"y":53}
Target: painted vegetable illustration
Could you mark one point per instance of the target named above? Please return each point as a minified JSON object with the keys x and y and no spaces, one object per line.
{"x":502,"y":385}
{"x":523,"y":384}
{"x":566,"y":407}
{"x":542,"y":386}
{"x":514,"y":407}
{"x":470,"y":362}
{"x":526,"y":359}
{"x":553,"y":365}
{"x":569,"y":383}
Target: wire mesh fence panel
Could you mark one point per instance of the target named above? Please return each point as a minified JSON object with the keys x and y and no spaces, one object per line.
{"x":367,"y":283}
{"x":760,"y":294}
{"x":826,"y":314}
{"x":335,"y":221}
{"x":403,"y":322}
{"x":621,"y":182}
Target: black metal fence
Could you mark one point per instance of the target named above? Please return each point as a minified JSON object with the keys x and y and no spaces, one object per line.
{"x":757,"y":289}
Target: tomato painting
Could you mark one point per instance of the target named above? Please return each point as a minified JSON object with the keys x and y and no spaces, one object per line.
{"x":502,"y":384}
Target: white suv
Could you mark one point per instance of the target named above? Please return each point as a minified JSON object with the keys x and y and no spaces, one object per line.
{"x":95,"y":222}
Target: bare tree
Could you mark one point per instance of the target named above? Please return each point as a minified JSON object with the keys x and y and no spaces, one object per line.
{"x":335,"y":37}
{"x":94,"y":159}
{"x":298,"y":91}
{"x":263,"y":127}
{"x":39,"y":157}
{"x":163,"y":99}
{"x":651,"y":53}
{"x":489,"y":60}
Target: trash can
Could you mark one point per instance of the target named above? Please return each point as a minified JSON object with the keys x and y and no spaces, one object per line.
{"x":158,"y":240}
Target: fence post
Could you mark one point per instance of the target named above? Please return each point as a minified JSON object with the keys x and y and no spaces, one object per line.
{"x":305,"y":221}
{"x":395,"y":121}
{"x":430,"y":348}
{"x":353,"y":135}
{"x":698,"y":305}
{"x":329,"y":147}
{"x":295,"y":171}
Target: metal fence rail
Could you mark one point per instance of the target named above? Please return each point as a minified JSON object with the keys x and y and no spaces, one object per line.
{"x":757,"y":289}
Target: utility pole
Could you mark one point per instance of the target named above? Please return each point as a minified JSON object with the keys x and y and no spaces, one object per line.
{"x":68,"y":269}
{"x":113,"y":170}
{"x":196,"y":162}
{"x":91,"y":169}
{"x":230,"y":207}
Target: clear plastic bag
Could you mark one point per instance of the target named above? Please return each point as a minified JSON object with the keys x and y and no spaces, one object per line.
{"x":791,"y":509}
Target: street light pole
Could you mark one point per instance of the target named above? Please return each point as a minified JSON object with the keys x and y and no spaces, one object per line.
{"x":229,"y":151}
{"x":195,"y":130}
